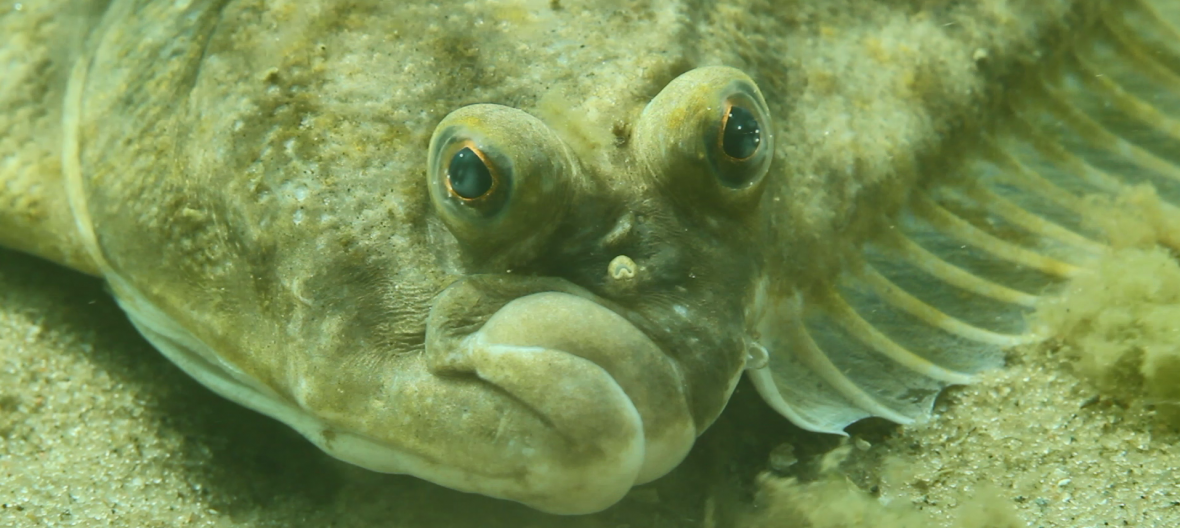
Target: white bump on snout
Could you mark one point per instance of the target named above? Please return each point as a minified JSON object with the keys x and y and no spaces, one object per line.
{"x":622,"y":268}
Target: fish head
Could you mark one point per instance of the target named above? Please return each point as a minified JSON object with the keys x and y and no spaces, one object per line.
{"x":384,"y":227}
{"x":632,"y":266}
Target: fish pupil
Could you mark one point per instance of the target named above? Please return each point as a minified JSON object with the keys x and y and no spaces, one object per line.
{"x":742,"y":135}
{"x":468,"y":175}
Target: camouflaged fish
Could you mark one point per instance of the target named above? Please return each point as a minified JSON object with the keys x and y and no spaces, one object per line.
{"x":471,"y":243}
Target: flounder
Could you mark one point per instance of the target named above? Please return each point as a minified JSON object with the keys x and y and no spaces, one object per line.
{"x":471,"y":243}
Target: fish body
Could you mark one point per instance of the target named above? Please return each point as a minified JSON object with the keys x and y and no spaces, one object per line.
{"x":486,"y":245}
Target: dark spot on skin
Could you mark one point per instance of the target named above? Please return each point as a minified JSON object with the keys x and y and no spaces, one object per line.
{"x":458,"y":54}
{"x":329,"y":437}
{"x":555,"y":5}
{"x":9,"y":403}
{"x":622,"y":132}
{"x":264,"y":279}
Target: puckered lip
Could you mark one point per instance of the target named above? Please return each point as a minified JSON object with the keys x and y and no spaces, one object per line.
{"x":549,"y":319}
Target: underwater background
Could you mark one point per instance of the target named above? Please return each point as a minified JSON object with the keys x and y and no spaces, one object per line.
{"x":98,"y":429}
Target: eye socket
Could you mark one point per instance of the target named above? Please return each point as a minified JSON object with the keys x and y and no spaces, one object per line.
{"x":498,"y":178}
{"x":717,"y":116}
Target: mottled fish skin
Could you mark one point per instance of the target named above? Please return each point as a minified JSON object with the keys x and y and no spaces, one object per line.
{"x":258,"y":202}
{"x":1082,"y":137}
{"x":264,"y":187}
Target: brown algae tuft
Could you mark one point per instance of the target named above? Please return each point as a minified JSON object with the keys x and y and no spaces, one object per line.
{"x":834,"y":501}
{"x":1122,"y":323}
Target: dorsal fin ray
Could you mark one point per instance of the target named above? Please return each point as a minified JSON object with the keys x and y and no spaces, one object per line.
{"x":941,"y":294}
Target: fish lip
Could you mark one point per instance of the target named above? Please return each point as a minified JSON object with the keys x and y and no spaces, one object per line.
{"x":531,"y":284}
{"x":542,"y":316}
{"x":710,"y":385}
{"x":550,"y":283}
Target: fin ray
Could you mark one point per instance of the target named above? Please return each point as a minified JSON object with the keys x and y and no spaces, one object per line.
{"x":930,"y":315}
{"x":956,"y":276}
{"x":964,"y":231}
{"x":939,"y":295}
{"x":1034,"y":223}
{"x":847,"y":317}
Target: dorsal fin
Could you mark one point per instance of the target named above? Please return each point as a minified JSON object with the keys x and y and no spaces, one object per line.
{"x":943,"y":295}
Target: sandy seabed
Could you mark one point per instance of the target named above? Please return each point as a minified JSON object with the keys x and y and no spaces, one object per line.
{"x":97,"y":429}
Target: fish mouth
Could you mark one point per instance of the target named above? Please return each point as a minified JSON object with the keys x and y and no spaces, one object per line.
{"x":579,"y":365}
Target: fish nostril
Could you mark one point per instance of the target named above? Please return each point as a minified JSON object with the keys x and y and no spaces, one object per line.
{"x":620,"y":231}
{"x":756,"y":355}
{"x":622,"y":269}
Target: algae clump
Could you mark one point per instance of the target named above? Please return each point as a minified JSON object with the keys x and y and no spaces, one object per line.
{"x":834,"y":501}
{"x":1122,"y":326}
{"x":1121,"y":322}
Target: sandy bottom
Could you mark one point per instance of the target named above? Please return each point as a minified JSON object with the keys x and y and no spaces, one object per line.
{"x":97,"y":429}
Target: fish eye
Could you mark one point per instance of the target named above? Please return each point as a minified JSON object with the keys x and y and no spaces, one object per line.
{"x":469,"y":175}
{"x":715,"y":115}
{"x":740,"y":133}
{"x":497,"y":177}
{"x":737,"y":158}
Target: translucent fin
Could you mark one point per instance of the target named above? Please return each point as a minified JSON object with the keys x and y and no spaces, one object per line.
{"x":937,"y":298}
{"x":929,"y":307}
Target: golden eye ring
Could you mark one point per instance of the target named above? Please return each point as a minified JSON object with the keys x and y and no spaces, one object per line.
{"x":475,"y":179}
